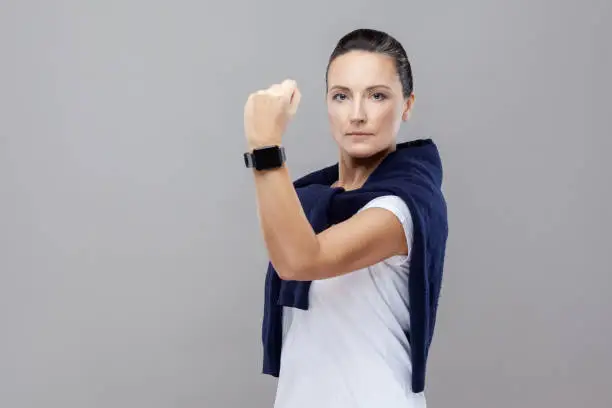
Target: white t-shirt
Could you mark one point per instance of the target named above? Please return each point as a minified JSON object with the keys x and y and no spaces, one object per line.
{"x":349,"y":350}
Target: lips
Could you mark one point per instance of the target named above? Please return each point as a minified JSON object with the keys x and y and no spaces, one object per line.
{"x":359,"y":134}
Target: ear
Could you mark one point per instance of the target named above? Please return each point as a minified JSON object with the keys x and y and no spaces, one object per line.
{"x":408,"y":104}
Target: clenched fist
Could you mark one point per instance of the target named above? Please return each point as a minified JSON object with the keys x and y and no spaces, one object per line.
{"x":267,"y":113}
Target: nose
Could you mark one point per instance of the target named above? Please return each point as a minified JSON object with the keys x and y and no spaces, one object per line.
{"x":358,"y":113}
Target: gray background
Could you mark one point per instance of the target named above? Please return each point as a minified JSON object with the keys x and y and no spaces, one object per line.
{"x":131,"y":264}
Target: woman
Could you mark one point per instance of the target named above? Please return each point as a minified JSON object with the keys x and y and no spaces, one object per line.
{"x":356,"y":248}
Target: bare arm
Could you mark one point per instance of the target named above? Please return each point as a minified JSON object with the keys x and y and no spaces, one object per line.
{"x":297,"y":253}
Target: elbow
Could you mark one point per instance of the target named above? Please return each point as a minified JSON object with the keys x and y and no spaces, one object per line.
{"x":299,"y":263}
{"x":286,"y":273}
{"x":296,"y":271}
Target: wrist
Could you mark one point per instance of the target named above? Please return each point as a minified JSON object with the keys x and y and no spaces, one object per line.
{"x":265,"y":156}
{"x":260,"y":145}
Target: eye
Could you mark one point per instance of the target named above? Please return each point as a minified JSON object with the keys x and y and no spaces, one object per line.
{"x":379,"y":96}
{"x":339,"y":97}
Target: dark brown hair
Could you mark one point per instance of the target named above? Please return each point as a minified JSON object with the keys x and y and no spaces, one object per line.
{"x":375,"y":41}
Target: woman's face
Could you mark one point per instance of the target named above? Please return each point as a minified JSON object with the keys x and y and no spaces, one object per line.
{"x":365,"y":103}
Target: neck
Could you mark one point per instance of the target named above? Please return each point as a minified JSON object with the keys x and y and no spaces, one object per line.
{"x":353,"y":172}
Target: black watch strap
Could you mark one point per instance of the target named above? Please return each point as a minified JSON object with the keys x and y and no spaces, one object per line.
{"x":265,"y":158}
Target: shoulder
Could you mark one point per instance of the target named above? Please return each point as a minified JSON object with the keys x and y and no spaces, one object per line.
{"x":399,"y":208}
{"x":393,"y":203}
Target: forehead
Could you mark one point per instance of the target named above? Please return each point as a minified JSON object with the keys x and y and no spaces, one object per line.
{"x":359,"y":68}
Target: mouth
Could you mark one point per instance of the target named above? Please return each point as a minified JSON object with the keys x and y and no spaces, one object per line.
{"x":359,"y":134}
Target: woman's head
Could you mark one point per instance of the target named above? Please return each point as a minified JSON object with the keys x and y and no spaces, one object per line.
{"x":369,"y":91}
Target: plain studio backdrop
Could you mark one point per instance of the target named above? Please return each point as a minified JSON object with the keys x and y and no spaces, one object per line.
{"x":131,"y":263}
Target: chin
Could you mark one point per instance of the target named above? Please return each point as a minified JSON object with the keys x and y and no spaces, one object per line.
{"x":363,"y":149}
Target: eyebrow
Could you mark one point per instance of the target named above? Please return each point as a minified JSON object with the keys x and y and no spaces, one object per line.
{"x":344,"y":88}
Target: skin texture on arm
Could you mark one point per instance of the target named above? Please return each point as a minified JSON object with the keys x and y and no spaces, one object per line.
{"x":297,"y":253}
{"x":365,"y":122}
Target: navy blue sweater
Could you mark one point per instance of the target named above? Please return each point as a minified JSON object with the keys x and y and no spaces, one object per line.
{"x":414,"y":173}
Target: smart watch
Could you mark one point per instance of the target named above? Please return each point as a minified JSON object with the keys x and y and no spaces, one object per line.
{"x":265,"y":158}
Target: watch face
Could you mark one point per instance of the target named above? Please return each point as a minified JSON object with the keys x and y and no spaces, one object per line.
{"x":267,"y":157}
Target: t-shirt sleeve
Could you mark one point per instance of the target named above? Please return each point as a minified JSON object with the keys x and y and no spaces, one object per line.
{"x":398,"y":207}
